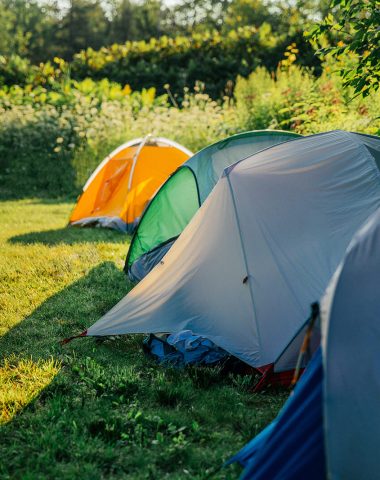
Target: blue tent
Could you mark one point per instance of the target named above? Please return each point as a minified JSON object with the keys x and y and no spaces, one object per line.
{"x":291,"y":447}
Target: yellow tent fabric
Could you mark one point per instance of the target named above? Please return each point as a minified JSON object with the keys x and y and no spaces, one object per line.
{"x":120,"y":188}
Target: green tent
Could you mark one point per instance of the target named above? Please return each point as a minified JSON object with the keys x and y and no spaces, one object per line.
{"x":176,"y":202}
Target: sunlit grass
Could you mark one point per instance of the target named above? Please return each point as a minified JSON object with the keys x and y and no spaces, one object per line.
{"x":93,"y":410}
{"x":21,"y":381}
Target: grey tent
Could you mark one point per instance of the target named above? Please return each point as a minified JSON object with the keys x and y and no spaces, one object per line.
{"x":261,"y":249}
{"x":351,"y":343}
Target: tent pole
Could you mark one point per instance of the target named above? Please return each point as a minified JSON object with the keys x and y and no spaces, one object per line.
{"x":306,"y":341}
{"x":135,"y":158}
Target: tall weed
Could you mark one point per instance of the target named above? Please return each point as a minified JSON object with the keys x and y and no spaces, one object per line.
{"x":293,"y":99}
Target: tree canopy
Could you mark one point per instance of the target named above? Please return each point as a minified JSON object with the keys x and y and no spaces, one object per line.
{"x":43,"y":29}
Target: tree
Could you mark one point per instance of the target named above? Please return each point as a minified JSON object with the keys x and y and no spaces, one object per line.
{"x":250,"y":12}
{"x":27,"y":28}
{"x":84,"y":25}
{"x":148,"y":19}
{"x":356,"y":24}
{"x":197,"y":15}
{"x":122,"y":22}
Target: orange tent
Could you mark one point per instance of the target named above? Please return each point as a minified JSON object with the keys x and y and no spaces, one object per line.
{"x":120,"y":188}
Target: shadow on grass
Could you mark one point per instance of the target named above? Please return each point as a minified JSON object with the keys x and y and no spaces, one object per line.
{"x":36,"y":197}
{"x":109,"y":412}
{"x":58,"y":432}
{"x":66,"y":313}
{"x":71,"y":236}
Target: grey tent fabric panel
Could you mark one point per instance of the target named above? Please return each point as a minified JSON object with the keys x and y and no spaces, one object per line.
{"x":299,"y":211}
{"x":205,"y":167}
{"x":209,"y":163}
{"x":351,"y":321}
{"x":199,"y":286}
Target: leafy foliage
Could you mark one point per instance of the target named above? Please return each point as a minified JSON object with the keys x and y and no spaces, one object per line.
{"x":357,"y":23}
{"x":295,"y":99}
{"x":211,"y":58}
{"x":41,"y":30}
{"x":53,"y":137}
{"x":51,"y":140}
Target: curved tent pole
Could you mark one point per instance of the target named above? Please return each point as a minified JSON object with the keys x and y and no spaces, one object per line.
{"x":141,"y":141}
{"x":172,"y":143}
{"x":256,"y":133}
{"x":135,"y":158}
{"x":104,"y":162}
{"x":128,"y":144}
{"x":131,"y":143}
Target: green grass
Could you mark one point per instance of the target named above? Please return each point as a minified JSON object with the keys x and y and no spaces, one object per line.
{"x":94,"y":410}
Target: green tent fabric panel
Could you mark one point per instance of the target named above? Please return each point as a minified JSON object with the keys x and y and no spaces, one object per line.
{"x":168,"y":213}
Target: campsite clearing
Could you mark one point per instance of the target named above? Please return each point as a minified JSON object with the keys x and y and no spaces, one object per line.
{"x":90,"y":410}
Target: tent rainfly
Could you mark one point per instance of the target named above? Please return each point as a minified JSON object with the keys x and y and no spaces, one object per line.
{"x":174,"y":205}
{"x":120,"y":188}
{"x":261,"y":248}
{"x":330,"y":426}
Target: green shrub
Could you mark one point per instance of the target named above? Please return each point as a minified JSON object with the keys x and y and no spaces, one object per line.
{"x":292,"y":98}
{"x":209,"y":57}
{"x":51,"y":141}
{"x":180,"y":62}
{"x":36,"y":148}
{"x":14,"y":70}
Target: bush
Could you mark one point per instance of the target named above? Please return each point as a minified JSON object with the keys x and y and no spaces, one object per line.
{"x":51,"y":141}
{"x":213,"y":58}
{"x":180,"y":62}
{"x":293,"y":99}
{"x":14,"y":70}
{"x":35,"y":151}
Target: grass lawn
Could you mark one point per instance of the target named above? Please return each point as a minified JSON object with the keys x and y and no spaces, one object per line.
{"x":94,"y":410}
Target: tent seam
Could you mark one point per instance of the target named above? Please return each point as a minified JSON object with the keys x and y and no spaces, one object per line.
{"x":105,"y":160}
{"x":245,"y":260}
{"x":295,"y":136}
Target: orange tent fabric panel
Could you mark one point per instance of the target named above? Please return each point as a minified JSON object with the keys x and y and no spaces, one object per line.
{"x":154,"y":166}
{"x":125,"y":184}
